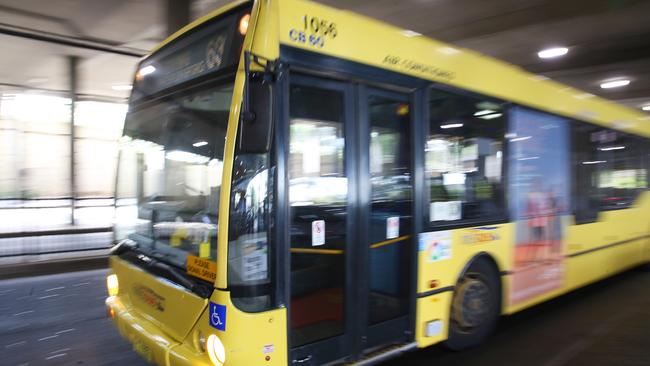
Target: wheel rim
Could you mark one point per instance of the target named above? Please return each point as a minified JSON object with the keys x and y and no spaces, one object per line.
{"x":471,"y":302}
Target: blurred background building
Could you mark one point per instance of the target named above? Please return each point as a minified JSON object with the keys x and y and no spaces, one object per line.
{"x":65,"y":77}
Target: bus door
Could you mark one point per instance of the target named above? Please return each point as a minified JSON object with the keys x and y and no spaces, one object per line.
{"x":350,"y":211}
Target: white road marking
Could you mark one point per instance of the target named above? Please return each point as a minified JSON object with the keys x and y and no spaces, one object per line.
{"x":2,"y":292}
{"x":48,"y":296}
{"x":55,"y":288}
{"x":49,"y":337}
{"x":81,"y":284}
{"x":59,"y":351}
{"x":65,"y":331}
{"x":55,"y":356}
{"x":21,"y":343}
{"x":24,"y":312}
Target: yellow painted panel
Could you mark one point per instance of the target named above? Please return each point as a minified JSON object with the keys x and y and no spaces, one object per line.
{"x":494,"y":240}
{"x":170,"y":307}
{"x":148,"y":340}
{"x":431,"y":308}
{"x":248,"y":335}
{"x":611,"y":227}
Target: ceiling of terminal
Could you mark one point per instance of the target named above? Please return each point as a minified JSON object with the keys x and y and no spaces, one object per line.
{"x":607,"y":39}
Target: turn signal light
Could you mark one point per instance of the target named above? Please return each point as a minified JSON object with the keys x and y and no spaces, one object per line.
{"x":112,"y":285}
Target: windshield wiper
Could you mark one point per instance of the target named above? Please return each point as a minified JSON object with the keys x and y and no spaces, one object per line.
{"x":182,"y":279}
{"x":178,"y":276}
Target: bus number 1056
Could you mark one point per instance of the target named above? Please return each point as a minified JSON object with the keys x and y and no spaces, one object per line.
{"x":319,"y":26}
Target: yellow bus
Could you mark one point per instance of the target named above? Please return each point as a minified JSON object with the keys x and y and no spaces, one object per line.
{"x":300,"y":185}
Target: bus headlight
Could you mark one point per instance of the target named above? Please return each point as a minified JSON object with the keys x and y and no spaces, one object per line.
{"x":112,"y":285}
{"x":216,"y":350}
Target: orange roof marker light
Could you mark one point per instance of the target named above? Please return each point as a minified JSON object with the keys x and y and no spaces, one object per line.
{"x":243,"y":24}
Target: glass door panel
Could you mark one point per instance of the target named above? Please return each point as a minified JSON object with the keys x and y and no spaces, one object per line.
{"x":389,"y":246}
{"x":318,"y":197}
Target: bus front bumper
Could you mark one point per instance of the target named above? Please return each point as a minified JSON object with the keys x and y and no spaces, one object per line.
{"x":149,"y":341}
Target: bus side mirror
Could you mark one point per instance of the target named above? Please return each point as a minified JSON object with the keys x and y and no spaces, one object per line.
{"x":256,"y":121}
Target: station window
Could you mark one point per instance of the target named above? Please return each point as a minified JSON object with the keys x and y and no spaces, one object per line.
{"x":610,"y":169}
{"x":464,"y":159}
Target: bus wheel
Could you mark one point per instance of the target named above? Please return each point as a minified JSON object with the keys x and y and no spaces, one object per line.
{"x":475,"y":306}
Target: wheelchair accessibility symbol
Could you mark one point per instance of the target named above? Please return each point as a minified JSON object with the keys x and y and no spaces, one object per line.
{"x":218,"y":316}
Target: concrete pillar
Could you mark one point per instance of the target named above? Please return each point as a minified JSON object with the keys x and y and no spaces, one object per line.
{"x":177,"y":13}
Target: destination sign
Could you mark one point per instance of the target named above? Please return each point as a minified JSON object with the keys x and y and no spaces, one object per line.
{"x":211,"y":47}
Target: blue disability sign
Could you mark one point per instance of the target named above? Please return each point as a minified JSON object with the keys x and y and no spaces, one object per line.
{"x":218,"y":316}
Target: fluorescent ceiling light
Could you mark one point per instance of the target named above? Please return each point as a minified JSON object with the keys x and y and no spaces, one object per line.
{"x":451,"y":125}
{"x":410,"y":33}
{"x":529,"y":158}
{"x":594,"y":162}
{"x":611,"y":148}
{"x":553,"y":52}
{"x":523,"y":138}
{"x":615,"y":84}
{"x":146,"y":71}
{"x":200,"y":143}
{"x":646,"y":108}
{"x":491,"y":116}
{"x":123,"y":87}
{"x":484,"y":112}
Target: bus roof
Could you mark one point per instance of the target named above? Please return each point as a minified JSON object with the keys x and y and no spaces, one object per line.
{"x":371,"y":42}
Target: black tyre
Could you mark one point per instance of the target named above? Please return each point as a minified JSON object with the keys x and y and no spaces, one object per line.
{"x":475,"y":306}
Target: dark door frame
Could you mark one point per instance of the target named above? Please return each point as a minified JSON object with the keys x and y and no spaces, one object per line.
{"x":342,"y":346}
{"x":352,"y":344}
{"x":398,"y":329}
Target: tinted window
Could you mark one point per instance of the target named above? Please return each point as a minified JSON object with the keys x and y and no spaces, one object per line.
{"x":169,"y":176}
{"x":611,"y":168}
{"x":464,"y":158}
{"x":390,"y":212}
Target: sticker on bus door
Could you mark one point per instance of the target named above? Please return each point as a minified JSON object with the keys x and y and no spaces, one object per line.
{"x":317,"y":233}
{"x":392,"y":227}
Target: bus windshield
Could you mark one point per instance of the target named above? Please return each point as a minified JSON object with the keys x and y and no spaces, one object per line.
{"x":169,"y":175}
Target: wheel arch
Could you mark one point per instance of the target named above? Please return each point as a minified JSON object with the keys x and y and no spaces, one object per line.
{"x":489,"y":258}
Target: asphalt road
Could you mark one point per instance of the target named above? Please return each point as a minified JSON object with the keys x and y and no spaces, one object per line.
{"x":606,"y":324}
{"x":61,"y":320}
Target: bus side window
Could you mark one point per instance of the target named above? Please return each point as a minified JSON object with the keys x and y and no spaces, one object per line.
{"x":464,"y":153}
{"x":610,"y":170}
{"x":585,"y":165}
